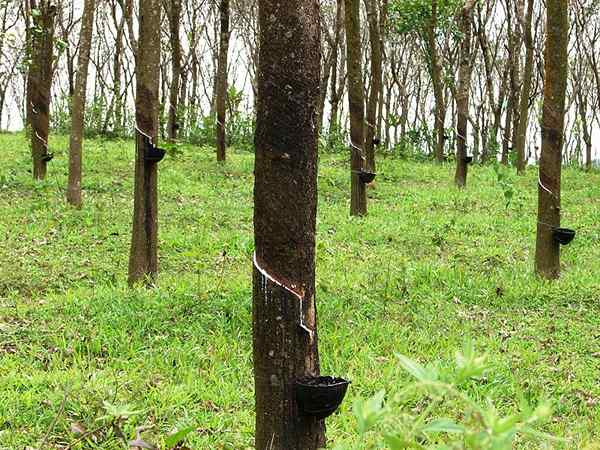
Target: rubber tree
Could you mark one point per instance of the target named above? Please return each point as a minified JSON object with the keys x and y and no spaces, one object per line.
{"x":285,"y":205}
{"x":175,"y":43}
{"x":356,"y":102}
{"x":426,"y":19}
{"x":523,"y":123}
{"x":373,"y":14}
{"x":463,"y":92}
{"x":39,"y":80}
{"x":143,"y":258}
{"x":547,"y":254}
{"x":78,"y":105}
{"x":221,"y":99}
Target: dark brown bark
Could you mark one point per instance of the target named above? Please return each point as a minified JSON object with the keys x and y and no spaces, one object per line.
{"x":39,"y":82}
{"x":222,"y":80}
{"x":285,"y":203}
{"x":525,"y":90}
{"x":373,"y":13}
{"x":358,"y":200}
{"x":143,"y":259}
{"x":547,"y":255}
{"x":175,"y":40}
{"x":462,"y":98}
{"x":78,"y":105}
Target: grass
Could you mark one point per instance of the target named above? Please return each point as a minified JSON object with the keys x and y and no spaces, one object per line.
{"x":428,"y":268}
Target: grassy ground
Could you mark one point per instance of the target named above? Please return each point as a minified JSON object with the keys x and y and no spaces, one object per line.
{"x":429,"y":267}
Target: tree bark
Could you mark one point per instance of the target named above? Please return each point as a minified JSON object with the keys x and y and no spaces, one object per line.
{"x":39,"y":82}
{"x":174,"y":25}
{"x":547,"y":255}
{"x":358,"y":201}
{"x":525,"y":90}
{"x":436,"y":79}
{"x":143,"y":259}
{"x":78,"y":106}
{"x":222,"y":80}
{"x":373,"y":14}
{"x":462,"y":98}
{"x":337,"y":71}
{"x":285,"y":205}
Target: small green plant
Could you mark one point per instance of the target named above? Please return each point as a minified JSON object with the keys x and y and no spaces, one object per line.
{"x":505,"y":183}
{"x":409,"y":419}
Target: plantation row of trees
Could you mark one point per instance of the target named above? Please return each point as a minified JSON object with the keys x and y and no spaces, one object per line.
{"x":427,"y":67}
{"x":298,"y":56}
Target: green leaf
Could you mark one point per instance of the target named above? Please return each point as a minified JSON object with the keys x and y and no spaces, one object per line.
{"x":177,"y":437}
{"x":443,"y":426}
{"x":418,"y":371}
{"x":368,"y":412}
{"x":396,"y":442}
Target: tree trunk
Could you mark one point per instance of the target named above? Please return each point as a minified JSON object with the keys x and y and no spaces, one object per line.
{"x":462,"y":98}
{"x":117,"y":69}
{"x":337,"y":75}
{"x":506,"y":136}
{"x":376,"y":81}
{"x":39,"y":83}
{"x":436,"y":79}
{"x":285,"y":206}
{"x":222,"y":80}
{"x":356,"y":102}
{"x":174,"y":25}
{"x":547,"y":254}
{"x":78,"y":106}
{"x":143,"y":259}
{"x":525,"y":89}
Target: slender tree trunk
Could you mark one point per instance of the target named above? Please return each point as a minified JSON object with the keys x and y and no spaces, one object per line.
{"x":78,"y":107}
{"x":525,"y":89}
{"x":222,"y":80}
{"x":462,"y":98}
{"x":285,"y":206}
{"x":337,"y":76}
{"x":506,"y":136}
{"x":39,"y":83}
{"x":547,"y":254}
{"x":143,"y":259}
{"x":358,"y":201}
{"x":438,"y":87}
{"x":376,"y":81}
{"x":582,"y":105}
{"x":174,"y":25}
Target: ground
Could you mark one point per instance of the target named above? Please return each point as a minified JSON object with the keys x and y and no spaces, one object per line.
{"x":428,"y":268}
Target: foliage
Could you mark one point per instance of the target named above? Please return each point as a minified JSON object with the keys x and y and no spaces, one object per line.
{"x":408,"y":419}
{"x":413,"y":16}
{"x":505,"y":180}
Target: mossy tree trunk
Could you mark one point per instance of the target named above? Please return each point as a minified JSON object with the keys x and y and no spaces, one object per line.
{"x":547,"y":255}
{"x":39,"y":81}
{"x":78,"y":105}
{"x":222,"y":80}
{"x":356,"y":100}
{"x":285,"y":206}
{"x":143,"y":258}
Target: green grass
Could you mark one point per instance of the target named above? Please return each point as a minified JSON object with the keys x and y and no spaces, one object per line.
{"x":429,"y":267}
